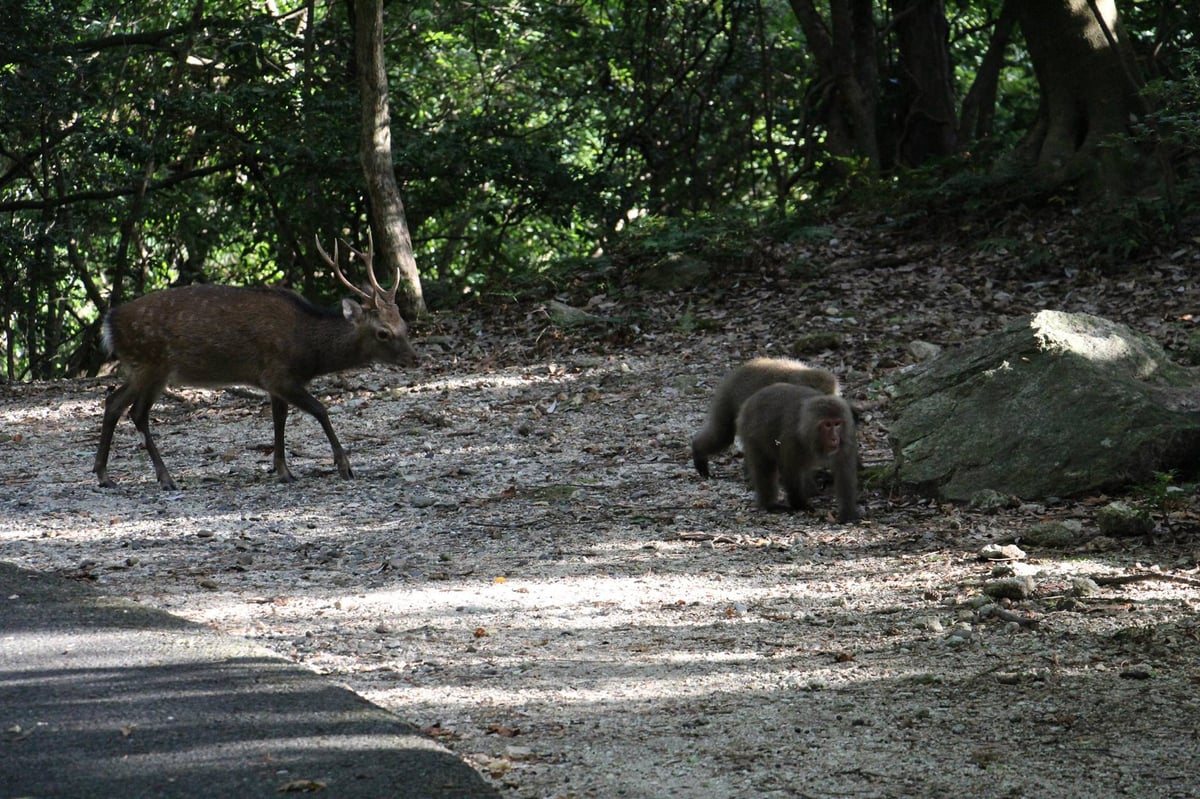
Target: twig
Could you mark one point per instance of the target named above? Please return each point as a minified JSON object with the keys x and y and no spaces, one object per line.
{"x":1126,"y":579}
{"x":1008,"y":615}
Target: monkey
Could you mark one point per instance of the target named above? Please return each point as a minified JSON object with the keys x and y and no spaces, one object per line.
{"x":736,"y":388}
{"x":789,"y":431}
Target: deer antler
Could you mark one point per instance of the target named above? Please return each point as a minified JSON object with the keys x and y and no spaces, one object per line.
{"x":368,"y":258}
{"x":337,"y":270}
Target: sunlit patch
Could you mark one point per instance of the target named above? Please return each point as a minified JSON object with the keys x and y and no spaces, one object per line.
{"x":38,"y":416}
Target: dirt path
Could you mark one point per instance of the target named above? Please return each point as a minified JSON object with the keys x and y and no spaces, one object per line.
{"x":527,"y":567}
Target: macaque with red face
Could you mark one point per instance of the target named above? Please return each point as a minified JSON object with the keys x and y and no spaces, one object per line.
{"x":737,"y":387}
{"x":787,"y":433}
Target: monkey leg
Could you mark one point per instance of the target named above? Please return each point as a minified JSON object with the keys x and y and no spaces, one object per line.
{"x":845,"y":484}
{"x":798,"y":486}
{"x":715,"y":436}
{"x":720,"y":428}
{"x":762,"y":470}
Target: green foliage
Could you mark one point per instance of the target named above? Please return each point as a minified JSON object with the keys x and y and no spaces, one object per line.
{"x":733,"y":239}
{"x":144,"y":145}
{"x":1162,"y":496}
{"x":1170,"y":134}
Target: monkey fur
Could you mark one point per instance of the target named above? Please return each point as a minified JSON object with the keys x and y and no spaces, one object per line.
{"x":789,"y":431}
{"x":737,"y":387}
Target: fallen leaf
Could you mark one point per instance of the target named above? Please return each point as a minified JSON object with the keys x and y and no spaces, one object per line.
{"x":301,"y":786}
{"x":502,"y":731}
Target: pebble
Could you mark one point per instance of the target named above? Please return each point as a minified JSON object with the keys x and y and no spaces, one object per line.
{"x":1002,"y":552}
{"x":1009,"y":588}
{"x":1121,"y":520}
{"x":1055,"y":535}
{"x":1138,"y":672}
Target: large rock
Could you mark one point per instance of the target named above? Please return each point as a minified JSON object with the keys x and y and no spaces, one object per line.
{"x":1056,"y":404}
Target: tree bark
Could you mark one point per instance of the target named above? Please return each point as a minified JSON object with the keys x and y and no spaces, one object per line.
{"x":979,"y":106}
{"x":928,"y":116}
{"x":375,"y":150}
{"x":1089,"y":93}
{"x":847,"y":65}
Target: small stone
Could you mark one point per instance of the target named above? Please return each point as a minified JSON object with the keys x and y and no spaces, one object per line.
{"x":1014,"y":588}
{"x":1102,"y":543}
{"x":568,"y":316}
{"x":990,"y":501}
{"x":1120,"y":520}
{"x":1138,"y":672}
{"x":959,"y":635}
{"x":923,"y":350}
{"x":1055,"y":535}
{"x":806,"y":346}
{"x":1001,"y":552}
{"x":1084,"y":586}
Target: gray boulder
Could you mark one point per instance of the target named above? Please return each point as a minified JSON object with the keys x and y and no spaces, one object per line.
{"x":1055,"y":404}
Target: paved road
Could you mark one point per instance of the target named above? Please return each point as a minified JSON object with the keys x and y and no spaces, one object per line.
{"x":104,"y":698}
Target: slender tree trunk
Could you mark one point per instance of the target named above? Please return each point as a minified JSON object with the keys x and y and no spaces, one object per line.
{"x":387,"y":210}
{"x":979,"y":106}
{"x":847,"y":64}
{"x":928,"y":122}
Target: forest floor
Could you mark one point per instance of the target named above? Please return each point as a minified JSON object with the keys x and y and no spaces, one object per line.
{"x":527,"y":566}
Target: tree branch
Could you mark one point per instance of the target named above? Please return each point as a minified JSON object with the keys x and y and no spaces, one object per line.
{"x":124,"y":191}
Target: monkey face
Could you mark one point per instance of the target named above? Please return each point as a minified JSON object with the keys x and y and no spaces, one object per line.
{"x":830,"y":429}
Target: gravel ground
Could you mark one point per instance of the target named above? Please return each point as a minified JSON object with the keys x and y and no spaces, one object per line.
{"x":527,"y":567}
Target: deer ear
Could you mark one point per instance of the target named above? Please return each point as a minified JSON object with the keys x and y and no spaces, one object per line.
{"x":351,"y":310}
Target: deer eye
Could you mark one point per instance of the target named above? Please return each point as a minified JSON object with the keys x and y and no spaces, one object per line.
{"x":382,"y":335}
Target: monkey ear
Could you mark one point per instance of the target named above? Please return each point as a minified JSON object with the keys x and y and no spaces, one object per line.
{"x":351,"y":309}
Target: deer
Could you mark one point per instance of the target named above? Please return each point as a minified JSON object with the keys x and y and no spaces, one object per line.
{"x":216,"y":336}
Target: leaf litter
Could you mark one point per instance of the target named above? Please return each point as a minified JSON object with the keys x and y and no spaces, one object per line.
{"x":527,"y":567}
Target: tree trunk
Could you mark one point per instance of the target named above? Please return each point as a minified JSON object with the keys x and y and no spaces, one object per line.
{"x":1089,"y":91}
{"x":387,"y":209}
{"x":928,"y":117}
{"x":847,"y":68}
{"x":979,"y":106}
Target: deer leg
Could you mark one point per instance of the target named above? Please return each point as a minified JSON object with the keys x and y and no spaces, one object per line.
{"x":310,"y":404}
{"x":114,"y":405}
{"x":141,"y":420}
{"x":279,"y":412}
